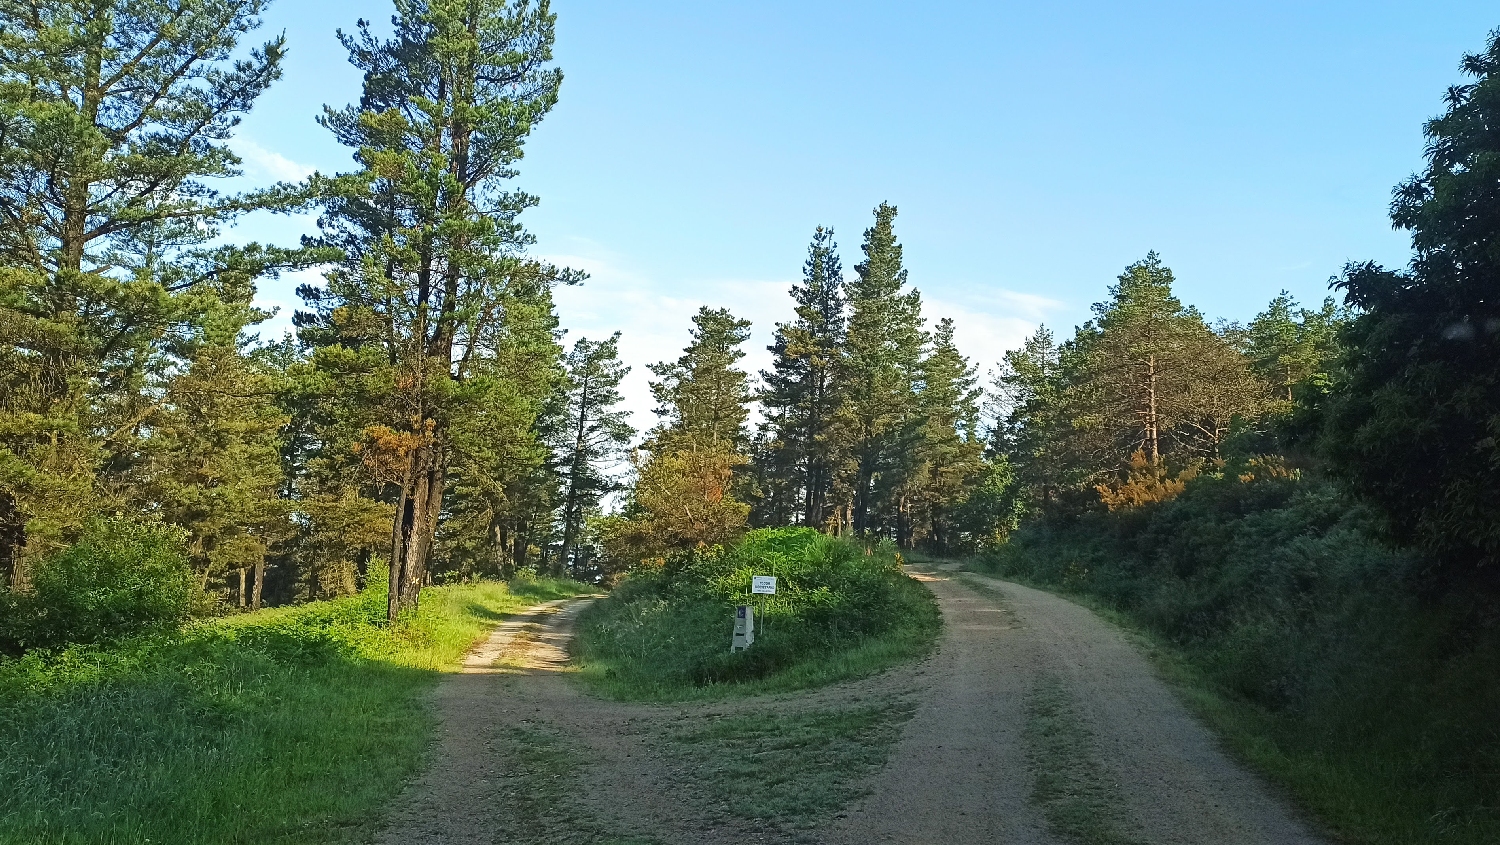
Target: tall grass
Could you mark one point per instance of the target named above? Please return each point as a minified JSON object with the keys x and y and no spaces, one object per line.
{"x":841,"y":610}
{"x":291,"y":725}
{"x":1319,"y":653}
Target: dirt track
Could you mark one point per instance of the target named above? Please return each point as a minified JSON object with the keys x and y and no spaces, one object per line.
{"x":960,"y":773}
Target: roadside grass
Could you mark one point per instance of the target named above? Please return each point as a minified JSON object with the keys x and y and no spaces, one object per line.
{"x":841,"y":612}
{"x":1073,"y":791}
{"x":540,"y":789}
{"x":791,"y":770}
{"x":291,"y":725}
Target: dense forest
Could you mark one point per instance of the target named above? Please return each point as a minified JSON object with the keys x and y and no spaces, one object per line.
{"x":428,"y":421}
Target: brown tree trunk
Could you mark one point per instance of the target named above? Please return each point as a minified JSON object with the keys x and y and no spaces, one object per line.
{"x":1152,"y":434}
{"x":260,"y":584}
{"x":413,"y":529}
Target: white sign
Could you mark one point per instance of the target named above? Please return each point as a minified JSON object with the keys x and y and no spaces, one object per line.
{"x":763,"y":585}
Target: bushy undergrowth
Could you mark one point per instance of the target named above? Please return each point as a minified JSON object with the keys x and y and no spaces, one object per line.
{"x":1317,"y":649}
{"x":840,"y":610}
{"x":122,"y":578}
{"x":291,"y":725}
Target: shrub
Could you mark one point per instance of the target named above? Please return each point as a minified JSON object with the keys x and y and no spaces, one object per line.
{"x":121,"y":578}
{"x":668,"y":626}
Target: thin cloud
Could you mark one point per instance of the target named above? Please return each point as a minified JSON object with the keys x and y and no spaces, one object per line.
{"x":270,"y":164}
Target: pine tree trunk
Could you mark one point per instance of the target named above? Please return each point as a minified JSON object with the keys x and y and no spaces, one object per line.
{"x":1152,"y":438}
{"x":260,"y":583}
{"x":242,"y":588}
{"x":413,"y":529}
{"x":12,"y":542}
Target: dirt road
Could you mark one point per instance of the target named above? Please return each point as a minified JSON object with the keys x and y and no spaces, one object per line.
{"x":1025,"y":690}
{"x":963,"y":772}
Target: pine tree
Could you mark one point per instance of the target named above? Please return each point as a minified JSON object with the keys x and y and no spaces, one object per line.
{"x":431,"y":236}
{"x":877,"y":379}
{"x":798,"y":453}
{"x":593,"y":436}
{"x":1292,"y":347}
{"x":107,"y":216}
{"x":950,"y":449}
{"x":685,"y":487}
{"x":211,"y":462}
{"x":703,"y":397}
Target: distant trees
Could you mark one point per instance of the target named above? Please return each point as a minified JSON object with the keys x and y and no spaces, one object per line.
{"x":871,"y":424}
{"x":1142,"y":396}
{"x":593,"y":435}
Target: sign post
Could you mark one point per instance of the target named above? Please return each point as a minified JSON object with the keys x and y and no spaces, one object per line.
{"x":744,"y":614}
{"x":744,"y":628}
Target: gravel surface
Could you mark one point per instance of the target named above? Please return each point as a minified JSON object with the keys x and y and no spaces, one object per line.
{"x":959,"y":773}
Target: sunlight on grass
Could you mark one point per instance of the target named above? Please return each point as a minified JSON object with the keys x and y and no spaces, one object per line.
{"x":289,"y":725}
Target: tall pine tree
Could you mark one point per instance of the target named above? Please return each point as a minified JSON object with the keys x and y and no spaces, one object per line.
{"x":431,"y":234}
{"x":877,"y":379}
{"x":800,"y":452}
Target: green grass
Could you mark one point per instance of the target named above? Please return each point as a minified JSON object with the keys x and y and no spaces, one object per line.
{"x":791,"y":770}
{"x":1071,"y":788}
{"x":285,"y":726}
{"x":539,"y":788}
{"x":839,"y":613}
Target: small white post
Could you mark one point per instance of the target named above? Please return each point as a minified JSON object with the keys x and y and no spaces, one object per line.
{"x":744,"y":628}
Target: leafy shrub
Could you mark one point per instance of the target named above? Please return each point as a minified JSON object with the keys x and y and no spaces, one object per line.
{"x":668,"y":627}
{"x":121,"y":578}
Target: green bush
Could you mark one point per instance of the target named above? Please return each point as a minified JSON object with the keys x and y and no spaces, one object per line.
{"x":669,"y":628}
{"x":120,"y":579}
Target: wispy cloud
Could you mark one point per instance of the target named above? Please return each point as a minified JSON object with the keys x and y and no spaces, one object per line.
{"x":269,"y":164}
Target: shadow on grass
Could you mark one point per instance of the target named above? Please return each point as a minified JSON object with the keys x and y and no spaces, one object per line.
{"x":294,"y":726}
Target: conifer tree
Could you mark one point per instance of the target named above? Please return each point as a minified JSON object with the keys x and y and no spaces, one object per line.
{"x":950,"y":449}
{"x":113,"y":117}
{"x":799,"y":452}
{"x":684,"y":491}
{"x":594,"y":434}
{"x":431,"y":235}
{"x":703,"y":397}
{"x":212,"y":461}
{"x":1292,"y":347}
{"x":877,"y":378}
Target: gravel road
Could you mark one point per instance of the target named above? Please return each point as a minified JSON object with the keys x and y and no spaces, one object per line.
{"x":960,"y":773}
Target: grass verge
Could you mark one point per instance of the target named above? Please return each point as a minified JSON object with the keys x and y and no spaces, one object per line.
{"x":539,"y":788}
{"x":841,"y":611}
{"x":1071,"y":788}
{"x":791,"y":770}
{"x":290,"y":725}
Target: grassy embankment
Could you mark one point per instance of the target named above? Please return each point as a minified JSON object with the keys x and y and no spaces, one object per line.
{"x":841,"y":611}
{"x":1310,"y":646}
{"x":284,"y":726}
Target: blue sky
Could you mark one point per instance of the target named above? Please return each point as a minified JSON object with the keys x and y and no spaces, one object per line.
{"x":1034,"y":149}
